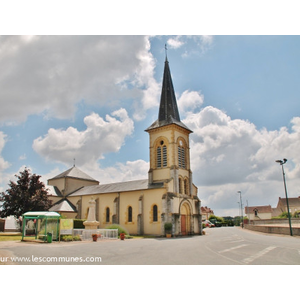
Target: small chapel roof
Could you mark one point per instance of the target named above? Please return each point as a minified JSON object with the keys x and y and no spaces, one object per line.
{"x":168,"y":109}
{"x":116,"y":187}
{"x":74,"y":172}
{"x":63,"y":205}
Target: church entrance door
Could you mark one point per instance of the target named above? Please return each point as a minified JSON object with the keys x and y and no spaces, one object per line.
{"x":185,"y":219}
{"x":183,"y":225}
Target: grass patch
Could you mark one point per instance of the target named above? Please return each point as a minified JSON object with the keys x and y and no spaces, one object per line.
{"x":144,"y":236}
{"x":4,"y":238}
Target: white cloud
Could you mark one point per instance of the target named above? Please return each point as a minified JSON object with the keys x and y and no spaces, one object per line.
{"x":23,"y":157}
{"x":175,"y":42}
{"x":131,"y":170}
{"x":190,"y":101}
{"x":203,"y":42}
{"x":231,"y":154}
{"x":100,"y":137}
{"x":3,"y":164}
{"x":151,"y":89}
{"x":51,"y":74}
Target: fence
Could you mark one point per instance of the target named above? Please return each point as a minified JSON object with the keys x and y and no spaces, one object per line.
{"x":275,"y":221}
{"x":86,"y":234}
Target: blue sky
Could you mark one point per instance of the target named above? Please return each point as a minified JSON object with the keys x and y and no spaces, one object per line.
{"x":91,"y":98}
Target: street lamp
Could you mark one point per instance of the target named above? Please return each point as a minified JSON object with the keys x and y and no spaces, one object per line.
{"x":239,"y":192}
{"x":282,"y":162}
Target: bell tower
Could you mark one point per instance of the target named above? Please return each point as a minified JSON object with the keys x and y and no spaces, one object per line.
{"x":169,"y":143}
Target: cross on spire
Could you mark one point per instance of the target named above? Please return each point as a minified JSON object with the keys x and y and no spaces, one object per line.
{"x":166,"y":49}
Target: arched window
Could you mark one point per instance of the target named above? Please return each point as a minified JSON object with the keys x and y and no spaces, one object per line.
{"x":186,"y":186}
{"x":180,"y":185}
{"x":181,"y":155}
{"x":161,"y":155}
{"x":129,"y":214}
{"x":154,"y":217}
{"x":107,"y":214}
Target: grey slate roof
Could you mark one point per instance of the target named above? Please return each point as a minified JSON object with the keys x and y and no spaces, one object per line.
{"x":53,"y":191}
{"x":63,"y":205}
{"x":168,"y":110}
{"x":74,"y":173}
{"x":117,"y":187}
{"x":169,"y":121}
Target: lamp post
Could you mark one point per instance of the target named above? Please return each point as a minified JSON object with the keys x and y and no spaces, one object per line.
{"x":282,"y":162}
{"x":239,"y":192}
{"x":239,"y":211}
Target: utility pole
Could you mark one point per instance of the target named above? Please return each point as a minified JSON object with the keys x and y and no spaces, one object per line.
{"x":282,"y":162}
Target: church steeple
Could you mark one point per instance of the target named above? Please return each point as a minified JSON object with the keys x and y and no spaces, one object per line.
{"x":168,"y":110}
{"x":169,"y":143}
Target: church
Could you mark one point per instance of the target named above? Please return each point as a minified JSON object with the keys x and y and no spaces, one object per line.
{"x":168,"y":195}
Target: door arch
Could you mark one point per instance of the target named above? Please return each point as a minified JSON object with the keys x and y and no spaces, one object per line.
{"x":185,"y":218}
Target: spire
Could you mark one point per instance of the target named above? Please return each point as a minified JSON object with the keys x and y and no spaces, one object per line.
{"x":168,"y":109}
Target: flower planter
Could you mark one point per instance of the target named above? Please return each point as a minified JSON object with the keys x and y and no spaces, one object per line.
{"x":122,"y":236}
{"x":95,"y":237}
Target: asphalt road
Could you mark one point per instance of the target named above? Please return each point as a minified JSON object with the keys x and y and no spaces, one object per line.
{"x":220,"y":246}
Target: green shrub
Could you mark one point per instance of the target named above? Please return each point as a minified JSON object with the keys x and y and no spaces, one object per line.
{"x":218,"y":219}
{"x":168,"y":227}
{"x":283,"y":215}
{"x":76,"y":238}
{"x":70,"y":238}
{"x":296,"y":214}
{"x":66,"y":238}
{"x":119,"y":227}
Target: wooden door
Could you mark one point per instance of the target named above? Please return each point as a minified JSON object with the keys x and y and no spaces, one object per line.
{"x":183,"y":225}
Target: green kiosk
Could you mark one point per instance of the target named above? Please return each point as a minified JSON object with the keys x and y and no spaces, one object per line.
{"x":43,"y":225}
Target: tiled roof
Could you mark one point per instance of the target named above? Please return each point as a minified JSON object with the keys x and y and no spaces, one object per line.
{"x":116,"y":187}
{"x":260,"y":209}
{"x":206,"y":209}
{"x":292,"y":202}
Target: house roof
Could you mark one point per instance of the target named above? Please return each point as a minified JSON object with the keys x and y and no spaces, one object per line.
{"x":63,"y":205}
{"x":126,"y":186}
{"x":74,"y":172}
{"x":259,"y":209}
{"x":292,"y":202}
{"x":206,"y":210}
{"x":168,"y":109}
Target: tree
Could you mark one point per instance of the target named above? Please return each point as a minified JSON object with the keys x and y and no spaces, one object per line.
{"x":218,"y":219}
{"x":27,"y":194}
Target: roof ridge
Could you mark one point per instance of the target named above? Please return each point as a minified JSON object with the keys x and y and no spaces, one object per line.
{"x":74,"y":172}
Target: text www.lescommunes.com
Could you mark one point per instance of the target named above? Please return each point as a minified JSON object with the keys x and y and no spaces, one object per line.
{"x":50,"y":259}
